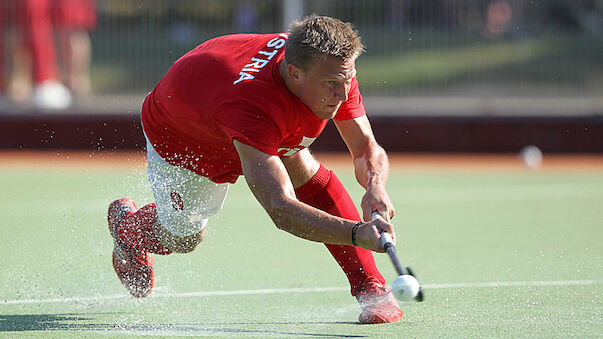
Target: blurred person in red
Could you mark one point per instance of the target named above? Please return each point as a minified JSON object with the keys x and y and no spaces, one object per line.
{"x":250,"y":105}
{"x":38,"y":25}
{"x":37,"y":34}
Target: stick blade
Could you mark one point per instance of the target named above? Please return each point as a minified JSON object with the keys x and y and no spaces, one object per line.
{"x":420,"y":296}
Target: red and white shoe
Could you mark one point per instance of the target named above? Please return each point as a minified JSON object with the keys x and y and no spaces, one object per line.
{"x":378,"y":303}
{"x":133,"y":267}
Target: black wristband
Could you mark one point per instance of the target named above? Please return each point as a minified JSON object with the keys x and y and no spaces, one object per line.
{"x":354,"y":233}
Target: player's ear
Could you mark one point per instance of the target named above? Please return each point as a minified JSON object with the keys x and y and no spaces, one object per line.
{"x":294,"y":72}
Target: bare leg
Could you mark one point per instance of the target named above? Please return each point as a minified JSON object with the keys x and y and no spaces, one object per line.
{"x":75,"y":54}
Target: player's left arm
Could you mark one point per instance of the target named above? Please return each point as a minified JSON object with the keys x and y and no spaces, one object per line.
{"x":371,"y":165}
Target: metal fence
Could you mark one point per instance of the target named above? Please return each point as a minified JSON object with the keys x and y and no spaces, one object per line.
{"x":414,"y":48}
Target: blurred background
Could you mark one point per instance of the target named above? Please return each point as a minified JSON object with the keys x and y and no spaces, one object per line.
{"x":437,"y":57}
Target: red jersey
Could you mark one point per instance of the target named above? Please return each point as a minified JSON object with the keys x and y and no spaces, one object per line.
{"x":230,"y":88}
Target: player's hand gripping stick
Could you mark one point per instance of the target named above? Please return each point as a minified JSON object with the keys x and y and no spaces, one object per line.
{"x":405,"y":287}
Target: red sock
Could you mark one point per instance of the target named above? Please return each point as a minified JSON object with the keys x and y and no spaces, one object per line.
{"x":325,"y":192}
{"x":38,"y":32}
{"x":136,"y":230}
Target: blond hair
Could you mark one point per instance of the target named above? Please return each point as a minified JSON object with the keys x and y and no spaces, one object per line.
{"x":316,"y":37}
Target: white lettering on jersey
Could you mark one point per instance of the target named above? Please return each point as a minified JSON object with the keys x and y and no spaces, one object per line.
{"x":290,"y":151}
{"x":259,"y":61}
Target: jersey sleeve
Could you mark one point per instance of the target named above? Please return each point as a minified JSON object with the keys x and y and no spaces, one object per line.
{"x":353,"y":107}
{"x":250,"y":126}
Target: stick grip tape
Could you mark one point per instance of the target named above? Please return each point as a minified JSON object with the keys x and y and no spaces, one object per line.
{"x":388,"y":245}
{"x":386,"y":238}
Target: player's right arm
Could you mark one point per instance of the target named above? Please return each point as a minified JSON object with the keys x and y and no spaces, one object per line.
{"x":267,"y":178}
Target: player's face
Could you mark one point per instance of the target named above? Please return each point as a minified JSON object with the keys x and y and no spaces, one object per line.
{"x":326,"y":85}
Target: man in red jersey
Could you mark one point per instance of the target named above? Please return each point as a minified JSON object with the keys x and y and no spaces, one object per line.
{"x":251,"y":104}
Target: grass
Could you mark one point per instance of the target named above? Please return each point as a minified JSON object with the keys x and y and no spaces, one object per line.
{"x":395,"y":63}
{"x":440,"y":66}
{"x":474,"y":229}
{"x":546,"y":62}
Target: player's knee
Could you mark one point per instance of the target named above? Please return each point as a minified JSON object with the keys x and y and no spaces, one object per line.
{"x":179,"y":244}
{"x":184,"y":244}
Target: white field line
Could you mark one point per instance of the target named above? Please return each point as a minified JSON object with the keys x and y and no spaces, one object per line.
{"x":299,"y":290}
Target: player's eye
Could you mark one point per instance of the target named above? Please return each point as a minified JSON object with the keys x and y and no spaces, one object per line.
{"x":331,"y":83}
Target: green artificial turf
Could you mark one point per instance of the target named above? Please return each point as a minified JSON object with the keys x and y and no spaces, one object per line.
{"x":501,"y":254}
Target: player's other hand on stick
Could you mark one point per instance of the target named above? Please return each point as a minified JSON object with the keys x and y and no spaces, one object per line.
{"x":368,"y":234}
{"x":377,"y":199}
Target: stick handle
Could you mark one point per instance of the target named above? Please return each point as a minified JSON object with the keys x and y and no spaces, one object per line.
{"x":388,"y":245}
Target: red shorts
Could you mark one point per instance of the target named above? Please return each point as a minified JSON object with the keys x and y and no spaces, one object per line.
{"x":74,"y":14}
